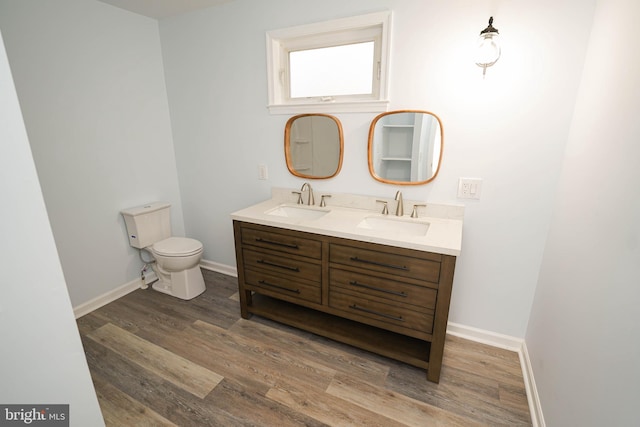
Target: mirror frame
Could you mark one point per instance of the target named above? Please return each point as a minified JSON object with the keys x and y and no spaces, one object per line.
{"x":287,"y":146}
{"x":370,"y":148}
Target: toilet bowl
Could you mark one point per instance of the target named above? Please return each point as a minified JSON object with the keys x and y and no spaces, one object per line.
{"x":177,"y":267}
{"x":177,"y":253}
{"x":176,"y":258}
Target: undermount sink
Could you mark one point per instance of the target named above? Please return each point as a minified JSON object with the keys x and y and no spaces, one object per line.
{"x":395,"y":225}
{"x":301,"y":212}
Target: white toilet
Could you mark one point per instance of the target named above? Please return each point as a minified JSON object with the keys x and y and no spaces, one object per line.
{"x":177,"y":258}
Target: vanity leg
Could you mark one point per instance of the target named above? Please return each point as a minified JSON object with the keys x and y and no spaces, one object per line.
{"x":245,"y":300}
{"x":245,"y":296}
{"x":433,"y":373}
{"x":441,"y":318}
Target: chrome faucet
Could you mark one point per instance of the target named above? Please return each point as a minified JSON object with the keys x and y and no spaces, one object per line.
{"x":400,"y":205}
{"x":310,"y":200}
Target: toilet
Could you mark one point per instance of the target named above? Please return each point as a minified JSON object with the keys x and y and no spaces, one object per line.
{"x":177,"y":258}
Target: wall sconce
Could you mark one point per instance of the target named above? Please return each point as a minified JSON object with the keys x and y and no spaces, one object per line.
{"x":488,"y":49}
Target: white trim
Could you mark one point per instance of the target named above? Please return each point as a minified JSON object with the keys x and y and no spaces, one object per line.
{"x":485,"y":337}
{"x":331,"y":107}
{"x":220,"y":268}
{"x":277,"y":40}
{"x":119,"y":292}
{"x":507,"y":342}
{"x":106,"y":298}
{"x":535,"y":407}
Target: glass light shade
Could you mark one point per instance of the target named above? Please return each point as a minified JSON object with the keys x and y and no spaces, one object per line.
{"x":488,"y":50}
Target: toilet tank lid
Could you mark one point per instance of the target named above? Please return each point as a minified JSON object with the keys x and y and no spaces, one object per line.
{"x":145,"y":209}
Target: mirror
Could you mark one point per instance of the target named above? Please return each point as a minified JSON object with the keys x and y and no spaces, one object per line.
{"x":313,"y":145}
{"x":405,"y":147}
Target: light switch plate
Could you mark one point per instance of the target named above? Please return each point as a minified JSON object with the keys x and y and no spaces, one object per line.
{"x":469,"y":188}
{"x":263,"y":172}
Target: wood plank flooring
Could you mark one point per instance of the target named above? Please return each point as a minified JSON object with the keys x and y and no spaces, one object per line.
{"x":156,"y":360}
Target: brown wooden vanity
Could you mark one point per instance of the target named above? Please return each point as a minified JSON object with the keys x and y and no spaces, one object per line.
{"x":388,"y":300}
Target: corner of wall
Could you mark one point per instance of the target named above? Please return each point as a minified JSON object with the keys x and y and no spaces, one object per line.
{"x":106,"y":298}
{"x":120,"y":291}
{"x":535,"y":407}
{"x":517,"y":345}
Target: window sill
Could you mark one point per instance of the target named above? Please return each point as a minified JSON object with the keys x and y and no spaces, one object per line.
{"x":331,"y":107}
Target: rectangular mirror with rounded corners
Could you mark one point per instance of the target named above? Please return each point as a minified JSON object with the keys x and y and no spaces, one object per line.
{"x":405,"y":147}
{"x":313,"y":146}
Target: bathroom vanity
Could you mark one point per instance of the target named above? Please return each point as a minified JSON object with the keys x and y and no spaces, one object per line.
{"x":378,"y":282}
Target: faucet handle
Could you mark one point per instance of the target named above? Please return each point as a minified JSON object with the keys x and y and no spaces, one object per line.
{"x":385,"y":208}
{"x":300,"y":202}
{"x":322,"y":202}
{"x":414,"y":212}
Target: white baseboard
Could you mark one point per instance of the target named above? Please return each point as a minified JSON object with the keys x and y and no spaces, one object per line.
{"x":106,"y":298}
{"x":220,"y":268}
{"x":119,"y":292}
{"x":508,"y":343}
{"x":485,"y":337}
{"x":537,"y":418}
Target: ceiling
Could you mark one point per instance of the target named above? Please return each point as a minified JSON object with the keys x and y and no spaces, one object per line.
{"x":159,"y":9}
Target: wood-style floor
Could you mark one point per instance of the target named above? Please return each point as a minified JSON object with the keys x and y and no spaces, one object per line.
{"x":156,"y":360}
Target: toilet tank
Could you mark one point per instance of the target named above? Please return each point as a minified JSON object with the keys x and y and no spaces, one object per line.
{"x":148,"y":224}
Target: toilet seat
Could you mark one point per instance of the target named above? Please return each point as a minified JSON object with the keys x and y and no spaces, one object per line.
{"x":177,"y":247}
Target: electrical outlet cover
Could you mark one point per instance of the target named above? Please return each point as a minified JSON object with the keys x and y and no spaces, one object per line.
{"x":469,"y":188}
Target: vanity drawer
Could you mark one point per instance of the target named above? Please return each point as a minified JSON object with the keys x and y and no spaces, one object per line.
{"x":389,"y":289}
{"x":284,"y":288}
{"x":379,"y":313}
{"x":386,"y":262}
{"x":278,"y":264}
{"x":264,"y":237}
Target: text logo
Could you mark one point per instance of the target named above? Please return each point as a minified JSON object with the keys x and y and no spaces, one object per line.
{"x":34,"y":415}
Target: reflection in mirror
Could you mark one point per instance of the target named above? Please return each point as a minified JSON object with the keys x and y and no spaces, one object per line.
{"x":405,"y":147}
{"x":313,"y":145}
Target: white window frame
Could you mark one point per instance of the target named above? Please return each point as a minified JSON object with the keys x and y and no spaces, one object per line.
{"x":374,"y":26}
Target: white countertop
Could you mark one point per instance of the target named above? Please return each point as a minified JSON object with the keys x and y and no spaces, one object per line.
{"x":443,"y":236}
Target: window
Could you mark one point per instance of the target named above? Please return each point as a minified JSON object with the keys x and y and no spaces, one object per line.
{"x":332,"y":71}
{"x":335,"y":66}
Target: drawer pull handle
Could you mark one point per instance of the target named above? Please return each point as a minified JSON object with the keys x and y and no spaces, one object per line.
{"x":380,"y":264}
{"x":271,"y":242}
{"x":377,"y":313}
{"x":273,"y":264}
{"x":265,"y":283}
{"x":374,"y":288}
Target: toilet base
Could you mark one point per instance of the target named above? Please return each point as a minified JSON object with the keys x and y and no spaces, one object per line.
{"x":185,"y":284}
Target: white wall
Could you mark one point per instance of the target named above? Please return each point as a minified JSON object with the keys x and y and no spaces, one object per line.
{"x":583,"y":330}
{"x":91,"y":86}
{"x":509,"y":129}
{"x":41,"y":357}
